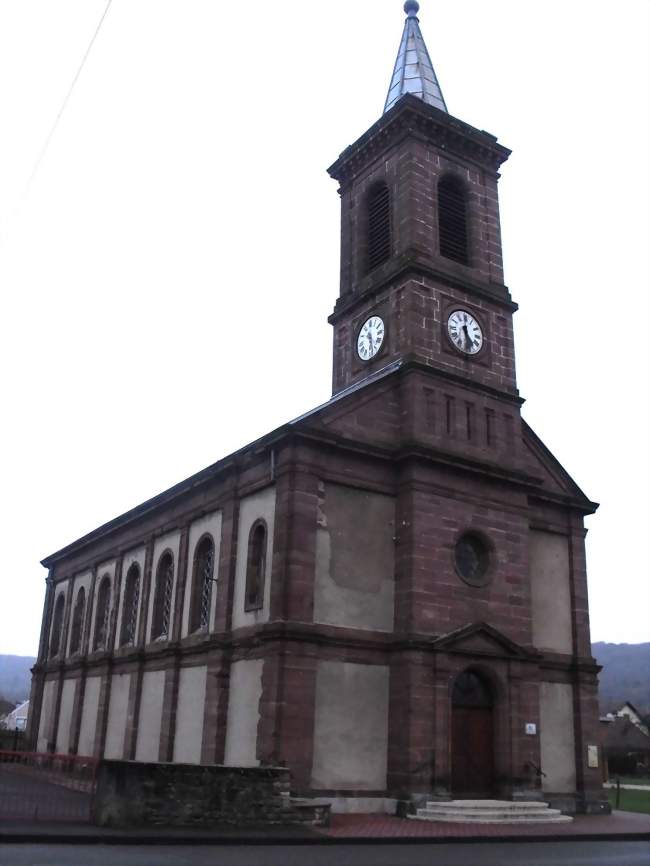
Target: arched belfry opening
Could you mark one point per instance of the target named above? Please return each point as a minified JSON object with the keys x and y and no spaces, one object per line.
{"x":453,"y":233}
{"x":472,"y":736}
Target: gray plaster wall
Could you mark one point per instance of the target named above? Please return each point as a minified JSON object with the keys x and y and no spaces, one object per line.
{"x":243,"y":713}
{"x":556,"y":737}
{"x":117,"y":712}
{"x":351,"y":727}
{"x":355,"y":559}
{"x":65,"y":716}
{"x":89,"y":716}
{"x":47,"y":716}
{"x":550,"y":591}
{"x":189,"y":715}
{"x":148,"y":742}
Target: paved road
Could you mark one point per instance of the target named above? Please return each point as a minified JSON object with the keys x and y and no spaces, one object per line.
{"x":492,"y":854}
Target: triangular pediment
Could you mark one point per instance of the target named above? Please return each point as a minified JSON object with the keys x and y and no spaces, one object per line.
{"x":553,"y":477}
{"x":368,"y":412}
{"x":479,"y":638}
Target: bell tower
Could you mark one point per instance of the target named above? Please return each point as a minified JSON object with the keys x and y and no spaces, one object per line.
{"x":421,"y":265}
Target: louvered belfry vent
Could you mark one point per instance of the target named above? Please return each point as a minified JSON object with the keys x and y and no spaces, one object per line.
{"x":378,"y":225}
{"x":452,"y":219}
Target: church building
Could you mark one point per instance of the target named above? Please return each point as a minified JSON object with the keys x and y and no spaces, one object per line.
{"x":388,"y":595}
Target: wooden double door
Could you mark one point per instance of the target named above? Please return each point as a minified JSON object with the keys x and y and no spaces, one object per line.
{"x":472,"y":738}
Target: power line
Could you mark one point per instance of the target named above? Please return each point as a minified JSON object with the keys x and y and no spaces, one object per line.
{"x":64,"y":104}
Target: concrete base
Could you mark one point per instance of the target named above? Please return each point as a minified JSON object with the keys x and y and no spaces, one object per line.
{"x":574,"y":804}
{"x":365,"y":805}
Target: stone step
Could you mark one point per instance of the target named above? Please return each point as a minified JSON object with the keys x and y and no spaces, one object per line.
{"x":487,"y":805}
{"x":495,"y":819}
{"x":434,"y":807}
{"x":491,"y":812}
{"x":511,"y":805}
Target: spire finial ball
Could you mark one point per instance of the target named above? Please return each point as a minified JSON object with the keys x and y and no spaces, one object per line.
{"x":411,"y":7}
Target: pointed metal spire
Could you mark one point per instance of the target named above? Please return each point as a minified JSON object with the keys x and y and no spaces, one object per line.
{"x":413,"y":71}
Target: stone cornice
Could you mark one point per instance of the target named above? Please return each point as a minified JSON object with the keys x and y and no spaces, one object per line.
{"x":411,"y":116}
{"x":254,"y":639}
{"x":411,"y":264}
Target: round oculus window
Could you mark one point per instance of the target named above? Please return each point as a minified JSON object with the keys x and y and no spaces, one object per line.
{"x":472,"y":558}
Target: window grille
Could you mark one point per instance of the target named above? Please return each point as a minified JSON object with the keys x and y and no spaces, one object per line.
{"x":202,"y":585}
{"x":255,"y":566}
{"x":130,"y":606}
{"x":207,"y":567}
{"x":77,"y":621}
{"x":102,"y":614}
{"x":57,"y":625}
{"x":378,"y":215}
{"x":452,"y":219}
{"x":163,"y":598}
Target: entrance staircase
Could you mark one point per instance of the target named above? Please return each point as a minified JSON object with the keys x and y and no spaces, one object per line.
{"x":491,"y":812}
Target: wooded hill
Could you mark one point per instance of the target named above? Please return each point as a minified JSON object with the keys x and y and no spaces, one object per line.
{"x":625,"y":675}
{"x":15,"y":677}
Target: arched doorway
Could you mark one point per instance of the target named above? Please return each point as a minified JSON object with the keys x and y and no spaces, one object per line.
{"x":472,"y":737}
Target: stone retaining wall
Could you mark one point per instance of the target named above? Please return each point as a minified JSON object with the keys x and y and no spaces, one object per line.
{"x":131,"y":793}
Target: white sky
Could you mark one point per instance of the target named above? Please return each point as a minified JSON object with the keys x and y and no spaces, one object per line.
{"x":167,"y":276}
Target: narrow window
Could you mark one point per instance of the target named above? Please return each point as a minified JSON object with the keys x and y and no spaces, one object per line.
{"x":452,"y":219}
{"x":378,"y":216}
{"x":162,"y":604}
{"x":77,"y":621}
{"x":202,"y":584}
{"x":102,"y":613}
{"x":130,"y":606}
{"x":57,"y":626}
{"x":255,"y":566}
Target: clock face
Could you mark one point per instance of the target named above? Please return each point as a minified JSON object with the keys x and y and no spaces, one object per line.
{"x":371,"y":337}
{"x":465,"y":332}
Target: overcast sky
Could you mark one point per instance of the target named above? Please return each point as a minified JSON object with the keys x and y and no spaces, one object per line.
{"x":167,"y":274}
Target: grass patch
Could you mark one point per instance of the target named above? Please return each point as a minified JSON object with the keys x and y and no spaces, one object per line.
{"x":631,"y":801}
{"x":631,"y":780}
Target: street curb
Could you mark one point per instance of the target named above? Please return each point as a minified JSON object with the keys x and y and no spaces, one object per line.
{"x":124,"y":839}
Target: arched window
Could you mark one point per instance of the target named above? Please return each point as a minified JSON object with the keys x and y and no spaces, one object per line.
{"x":162,"y":600}
{"x":77,"y":621}
{"x":128,"y":634}
{"x":202,"y":584}
{"x":255,"y":566}
{"x":452,"y":219}
{"x":102,"y":614}
{"x":378,"y":225}
{"x":57,"y":625}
